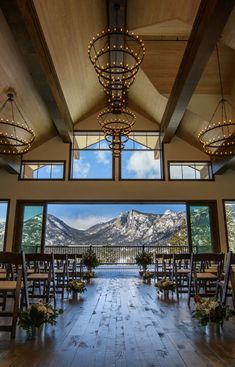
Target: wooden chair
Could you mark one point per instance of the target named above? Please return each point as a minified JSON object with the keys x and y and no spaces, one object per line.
{"x":158,"y":265}
{"x":61,"y":273}
{"x":181,"y":270}
{"x":42,"y":277}
{"x":167,"y":265}
{"x":75,"y":266}
{"x":201,"y":278}
{"x":226,"y":286}
{"x":79,"y":263}
{"x":14,"y":285}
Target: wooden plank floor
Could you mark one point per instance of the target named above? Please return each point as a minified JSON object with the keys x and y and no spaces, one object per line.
{"x":122,"y":322}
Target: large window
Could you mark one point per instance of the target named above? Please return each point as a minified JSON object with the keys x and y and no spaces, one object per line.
{"x":200,"y":228}
{"x":116,"y":224}
{"x":141,"y":157}
{"x":230,"y":223}
{"x":3,"y":220}
{"x":91,"y":157}
{"x":167,"y":226}
{"x":31,"y":227}
{"x":190,"y":171}
{"x":42,"y":170}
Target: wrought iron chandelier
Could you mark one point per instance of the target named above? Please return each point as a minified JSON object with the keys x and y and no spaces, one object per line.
{"x":218,"y":138}
{"x":116,"y":55}
{"x":16,"y":137}
{"x":116,"y":127}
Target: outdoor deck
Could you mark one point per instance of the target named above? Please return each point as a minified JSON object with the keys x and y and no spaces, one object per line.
{"x":122,"y":322}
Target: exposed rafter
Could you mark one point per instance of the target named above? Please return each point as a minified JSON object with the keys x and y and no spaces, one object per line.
{"x":220,"y":166}
{"x":10,"y":164}
{"x":25,"y":26}
{"x":208,"y":25}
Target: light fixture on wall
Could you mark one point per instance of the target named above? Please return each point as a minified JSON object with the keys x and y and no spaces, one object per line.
{"x":218,"y":137}
{"x":16,"y":137}
{"x":116,"y":55}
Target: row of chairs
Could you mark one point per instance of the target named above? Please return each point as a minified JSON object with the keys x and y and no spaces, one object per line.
{"x":207,"y":274}
{"x":24,"y":277}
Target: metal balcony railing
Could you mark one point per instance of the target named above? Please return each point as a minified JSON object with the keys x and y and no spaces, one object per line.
{"x":117,"y":254}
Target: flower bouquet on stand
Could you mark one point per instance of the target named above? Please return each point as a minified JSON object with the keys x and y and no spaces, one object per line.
{"x":88,"y":275}
{"x":76,"y":287}
{"x":210,"y":312}
{"x":90,"y":260}
{"x":36,"y":316}
{"x":146,"y":276}
{"x":165,"y":285}
{"x":144,"y":259}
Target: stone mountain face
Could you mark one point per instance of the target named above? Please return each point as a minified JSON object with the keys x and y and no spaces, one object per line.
{"x":129,"y":228}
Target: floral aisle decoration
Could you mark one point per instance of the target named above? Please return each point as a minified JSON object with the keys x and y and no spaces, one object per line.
{"x":209,"y":310}
{"x":146,"y":276}
{"x":76,"y":286}
{"x":144,"y":259}
{"x":37,"y":315}
{"x":90,"y":260}
{"x":165,"y":285}
{"x":88,"y":275}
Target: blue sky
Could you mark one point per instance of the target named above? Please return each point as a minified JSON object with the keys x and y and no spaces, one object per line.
{"x":82,"y":216}
{"x":3,"y":211}
{"x":98,"y":163}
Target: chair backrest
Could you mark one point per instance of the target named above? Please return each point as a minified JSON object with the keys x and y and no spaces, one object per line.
{"x":205,"y":260}
{"x":183,"y":256}
{"x":62,"y":257}
{"x":79,"y":256}
{"x":13,"y":258}
{"x":181,"y":261}
{"x":167,"y":256}
{"x":208,"y":256}
{"x":39,"y":257}
{"x":40,"y":262}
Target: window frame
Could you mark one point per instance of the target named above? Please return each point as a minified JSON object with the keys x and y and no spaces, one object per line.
{"x":225,"y":221}
{"x":181,"y":163}
{"x":50,"y":162}
{"x":161,"y":150}
{"x":71,"y":150}
{"x":213,"y":209}
{"x":7,"y":222}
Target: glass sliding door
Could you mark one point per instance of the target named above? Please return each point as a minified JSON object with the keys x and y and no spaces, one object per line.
{"x":32,"y":227}
{"x":230,"y":223}
{"x":201,"y":221}
{"x":3,"y":221}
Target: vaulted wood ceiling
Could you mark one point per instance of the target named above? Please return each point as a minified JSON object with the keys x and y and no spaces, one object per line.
{"x":60,"y":31}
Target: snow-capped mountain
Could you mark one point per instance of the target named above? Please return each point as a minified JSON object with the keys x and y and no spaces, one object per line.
{"x":129,"y":228}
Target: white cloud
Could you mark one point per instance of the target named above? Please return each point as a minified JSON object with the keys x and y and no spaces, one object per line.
{"x":143,"y":165}
{"x":85,"y":222}
{"x":80,"y":168}
{"x":102,"y":157}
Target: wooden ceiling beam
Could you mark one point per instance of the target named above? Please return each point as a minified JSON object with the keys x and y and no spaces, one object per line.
{"x":220,"y":166}
{"x":210,"y":20}
{"x":11,"y":164}
{"x":26,"y":29}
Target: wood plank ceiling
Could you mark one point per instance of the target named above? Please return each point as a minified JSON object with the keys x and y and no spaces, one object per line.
{"x":67,"y":26}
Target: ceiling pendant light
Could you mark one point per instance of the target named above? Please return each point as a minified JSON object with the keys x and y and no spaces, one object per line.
{"x":16,"y":137}
{"x":218,"y":137}
{"x":116,"y":54}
